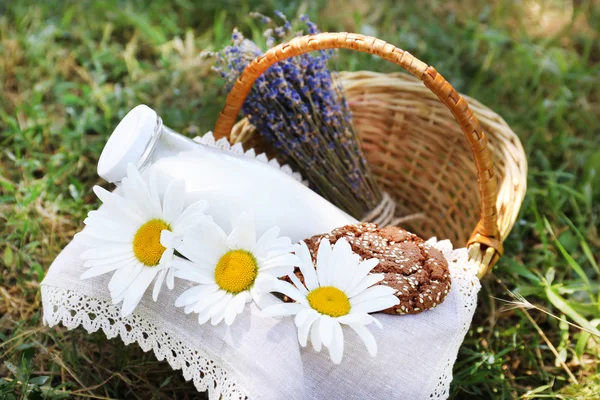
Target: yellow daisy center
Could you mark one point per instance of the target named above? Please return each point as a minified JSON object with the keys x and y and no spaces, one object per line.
{"x":146,"y":242}
{"x":236,"y":271}
{"x":329,"y":300}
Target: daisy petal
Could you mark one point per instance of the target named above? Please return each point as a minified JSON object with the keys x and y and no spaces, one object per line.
{"x":107,"y":237}
{"x":194,"y":294}
{"x":104,"y":252}
{"x":323,"y":262}
{"x":198,"y":207}
{"x":376,"y":305}
{"x":204,"y":316}
{"x":367,"y":338}
{"x":306,"y":266}
{"x":244,"y":298}
{"x":262,"y":299}
{"x":288,"y":259}
{"x":281,"y":245}
{"x":171,"y":278}
{"x":118,"y":204}
{"x":218,"y":309}
{"x":367,"y":283}
{"x":336,"y":348}
{"x":281,"y":241}
{"x":372,"y":293}
{"x":120,"y":286}
{"x":357,"y":318}
{"x":153,"y":190}
{"x":244,"y":232}
{"x":277,"y":272}
{"x":304,"y":320}
{"x":344,"y":275}
{"x":111,"y":221}
{"x":123,"y":277}
{"x":136,"y":192}
{"x":91,"y":241}
{"x":282,"y":310}
{"x":315,"y":336}
{"x":362,"y":271}
{"x":235,"y":307}
{"x":326,"y":329}
{"x":173,"y":201}
{"x":118,"y":299}
{"x":168,"y":239}
{"x":230,"y":313}
{"x":190,"y":222}
{"x":377,"y":323}
{"x":304,"y":315}
{"x":265,"y":241}
{"x":287,"y":289}
{"x":296,"y":281}
{"x":103,"y":269}
{"x":192,"y":272}
{"x":337,"y":260}
{"x":158,"y":284}
{"x":208,"y":301}
{"x":205,"y":245}
{"x":109,"y":261}
{"x":137,"y":290}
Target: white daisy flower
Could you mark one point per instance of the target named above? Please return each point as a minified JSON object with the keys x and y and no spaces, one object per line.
{"x":338,"y":292}
{"x":229,"y":267}
{"x":135,"y":236}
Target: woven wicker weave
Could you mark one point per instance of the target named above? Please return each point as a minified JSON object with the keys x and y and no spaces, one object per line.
{"x":410,"y":135}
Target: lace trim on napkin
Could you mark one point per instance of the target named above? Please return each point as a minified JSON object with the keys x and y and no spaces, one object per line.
{"x":464,"y":277}
{"x":74,"y":309}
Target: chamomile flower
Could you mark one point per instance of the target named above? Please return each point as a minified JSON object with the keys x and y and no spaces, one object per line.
{"x":338,"y":292}
{"x":135,"y":235}
{"x":228,"y":268}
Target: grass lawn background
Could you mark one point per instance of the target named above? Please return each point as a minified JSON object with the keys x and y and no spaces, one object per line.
{"x":70,"y":70}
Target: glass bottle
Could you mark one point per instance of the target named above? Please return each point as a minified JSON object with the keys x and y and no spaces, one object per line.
{"x":230,"y":182}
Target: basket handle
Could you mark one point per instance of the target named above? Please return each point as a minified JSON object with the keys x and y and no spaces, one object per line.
{"x":485,"y":243}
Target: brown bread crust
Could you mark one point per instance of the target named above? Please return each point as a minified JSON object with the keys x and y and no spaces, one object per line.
{"x":417,"y":271}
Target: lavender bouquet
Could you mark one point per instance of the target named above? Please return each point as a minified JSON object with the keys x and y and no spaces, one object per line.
{"x":298,"y":107}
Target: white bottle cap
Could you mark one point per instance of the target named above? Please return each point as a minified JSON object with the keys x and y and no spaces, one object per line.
{"x":127,"y":143}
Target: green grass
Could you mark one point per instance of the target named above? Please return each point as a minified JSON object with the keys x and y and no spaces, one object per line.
{"x":69,"y":72}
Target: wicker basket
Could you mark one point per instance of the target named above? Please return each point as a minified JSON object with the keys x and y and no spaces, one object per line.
{"x":410,"y":135}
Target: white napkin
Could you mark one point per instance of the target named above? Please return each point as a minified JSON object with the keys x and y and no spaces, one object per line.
{"x":259,"y":357}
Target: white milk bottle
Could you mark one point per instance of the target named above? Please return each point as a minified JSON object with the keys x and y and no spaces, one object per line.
{"x":231,"y":182}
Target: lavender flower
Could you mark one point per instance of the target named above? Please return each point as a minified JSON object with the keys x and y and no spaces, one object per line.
{"x":298,"y":106}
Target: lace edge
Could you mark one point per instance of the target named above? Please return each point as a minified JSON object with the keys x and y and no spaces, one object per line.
{"x":464,"y":276}
{"x":72,"y":309}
